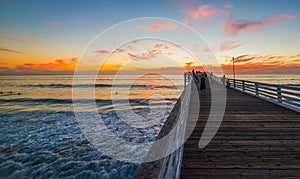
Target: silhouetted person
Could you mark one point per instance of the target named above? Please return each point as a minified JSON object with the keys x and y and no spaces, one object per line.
{"x":227,"y":84}
{"x":195,"y":78}
{"x":202,"y":83}
{"x":223,"y":80}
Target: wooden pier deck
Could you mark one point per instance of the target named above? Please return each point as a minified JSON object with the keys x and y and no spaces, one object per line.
{"x":256,"y":139}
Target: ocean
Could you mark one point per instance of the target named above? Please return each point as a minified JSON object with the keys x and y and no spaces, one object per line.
{"x":40,"y":136}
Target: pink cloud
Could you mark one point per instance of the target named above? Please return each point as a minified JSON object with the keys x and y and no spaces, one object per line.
{"x":29,"y":39}
{"x":234,"y":28}
{"x":101,"y":52}
{"x":154,"y":51}
{"x":202,"y":11}
{"x":120,"y":50}
{"x":229,"y":45}
{"x":9,"y":50}
{"x":281,"y":17}
{"x":51,"y":23}
{"x":158,"y":26}
{"x":106,"y":52}
{"x":12,"y":39}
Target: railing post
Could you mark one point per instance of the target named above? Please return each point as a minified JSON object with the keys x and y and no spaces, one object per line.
{"x":243,"y":85}
{"x":256,"y":89}
{"x":184,"y":75}
{"x":233,"y":83}
{"x":279,"y":97}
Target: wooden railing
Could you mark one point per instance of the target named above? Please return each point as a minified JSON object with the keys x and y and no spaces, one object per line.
{"x":283,"y":95}
{"x":171,"y":166}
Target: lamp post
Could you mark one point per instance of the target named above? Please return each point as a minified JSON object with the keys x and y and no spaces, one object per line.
{"x":233,"y":72}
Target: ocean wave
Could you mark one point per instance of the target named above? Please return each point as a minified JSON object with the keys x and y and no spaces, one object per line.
{"x":51,"y":145}
{"x":69,"y":101}
{"x":99,"y":86}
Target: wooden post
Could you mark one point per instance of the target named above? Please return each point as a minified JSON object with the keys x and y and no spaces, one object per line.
{"x":233,"y":70}
{"x":184,"y":76}
{"x":234,"y":83}
{"x":279,"y":97}
{"x":256,"y":89}
{"x":243,"y":85}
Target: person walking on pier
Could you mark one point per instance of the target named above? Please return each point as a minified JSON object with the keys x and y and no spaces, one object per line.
{"x":195,"y":78}
{"x":223,"y":80}
{"x":202,"y":84}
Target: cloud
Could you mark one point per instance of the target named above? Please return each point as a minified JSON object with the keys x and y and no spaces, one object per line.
{"x":51,"y":23}
{"x":264,"y":64}
{"x":189,"y":64}
{"x":145,"y":54}
{"x":56,"y":65}
{"x":281,"y":17}
{"x":120,"y":50}
{"x":155,"y":50}
{"x":31,"y":39}
{"x":22,"y":41}
{"x":203,"y":11}
{"x":9,"y":50}
{"x":12,"y":39}
{"x":4,"y":69}
{"x":244,"y":58}
{"x":234,"y":28}
{"x":229,"y":45}
{"x":224,"y":47}
{"x":159,"y":26}
{"x":106,"y":52}
{"x":101,"y":52}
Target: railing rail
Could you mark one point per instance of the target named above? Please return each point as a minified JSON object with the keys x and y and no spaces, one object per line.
{"x":283,"y":95}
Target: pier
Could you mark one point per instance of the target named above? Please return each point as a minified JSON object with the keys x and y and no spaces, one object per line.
{"x":259,"y":136}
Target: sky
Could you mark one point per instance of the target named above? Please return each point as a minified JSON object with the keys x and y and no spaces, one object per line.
{"x":52,"y":37}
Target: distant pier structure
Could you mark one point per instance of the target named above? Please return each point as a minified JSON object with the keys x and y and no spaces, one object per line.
{"x":259,"y":136}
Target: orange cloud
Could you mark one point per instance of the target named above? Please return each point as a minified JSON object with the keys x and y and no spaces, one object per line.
{"x":159,"y":26}
{"x":4,"y":69}
{"x":264,"y":64}
{"x":9,"y":50}
{"x":51,"y":23}
{"x":234,"y":28}
{"x":58,"y":66}
{"x":281,"y":17}
{"x":189,"y":64}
